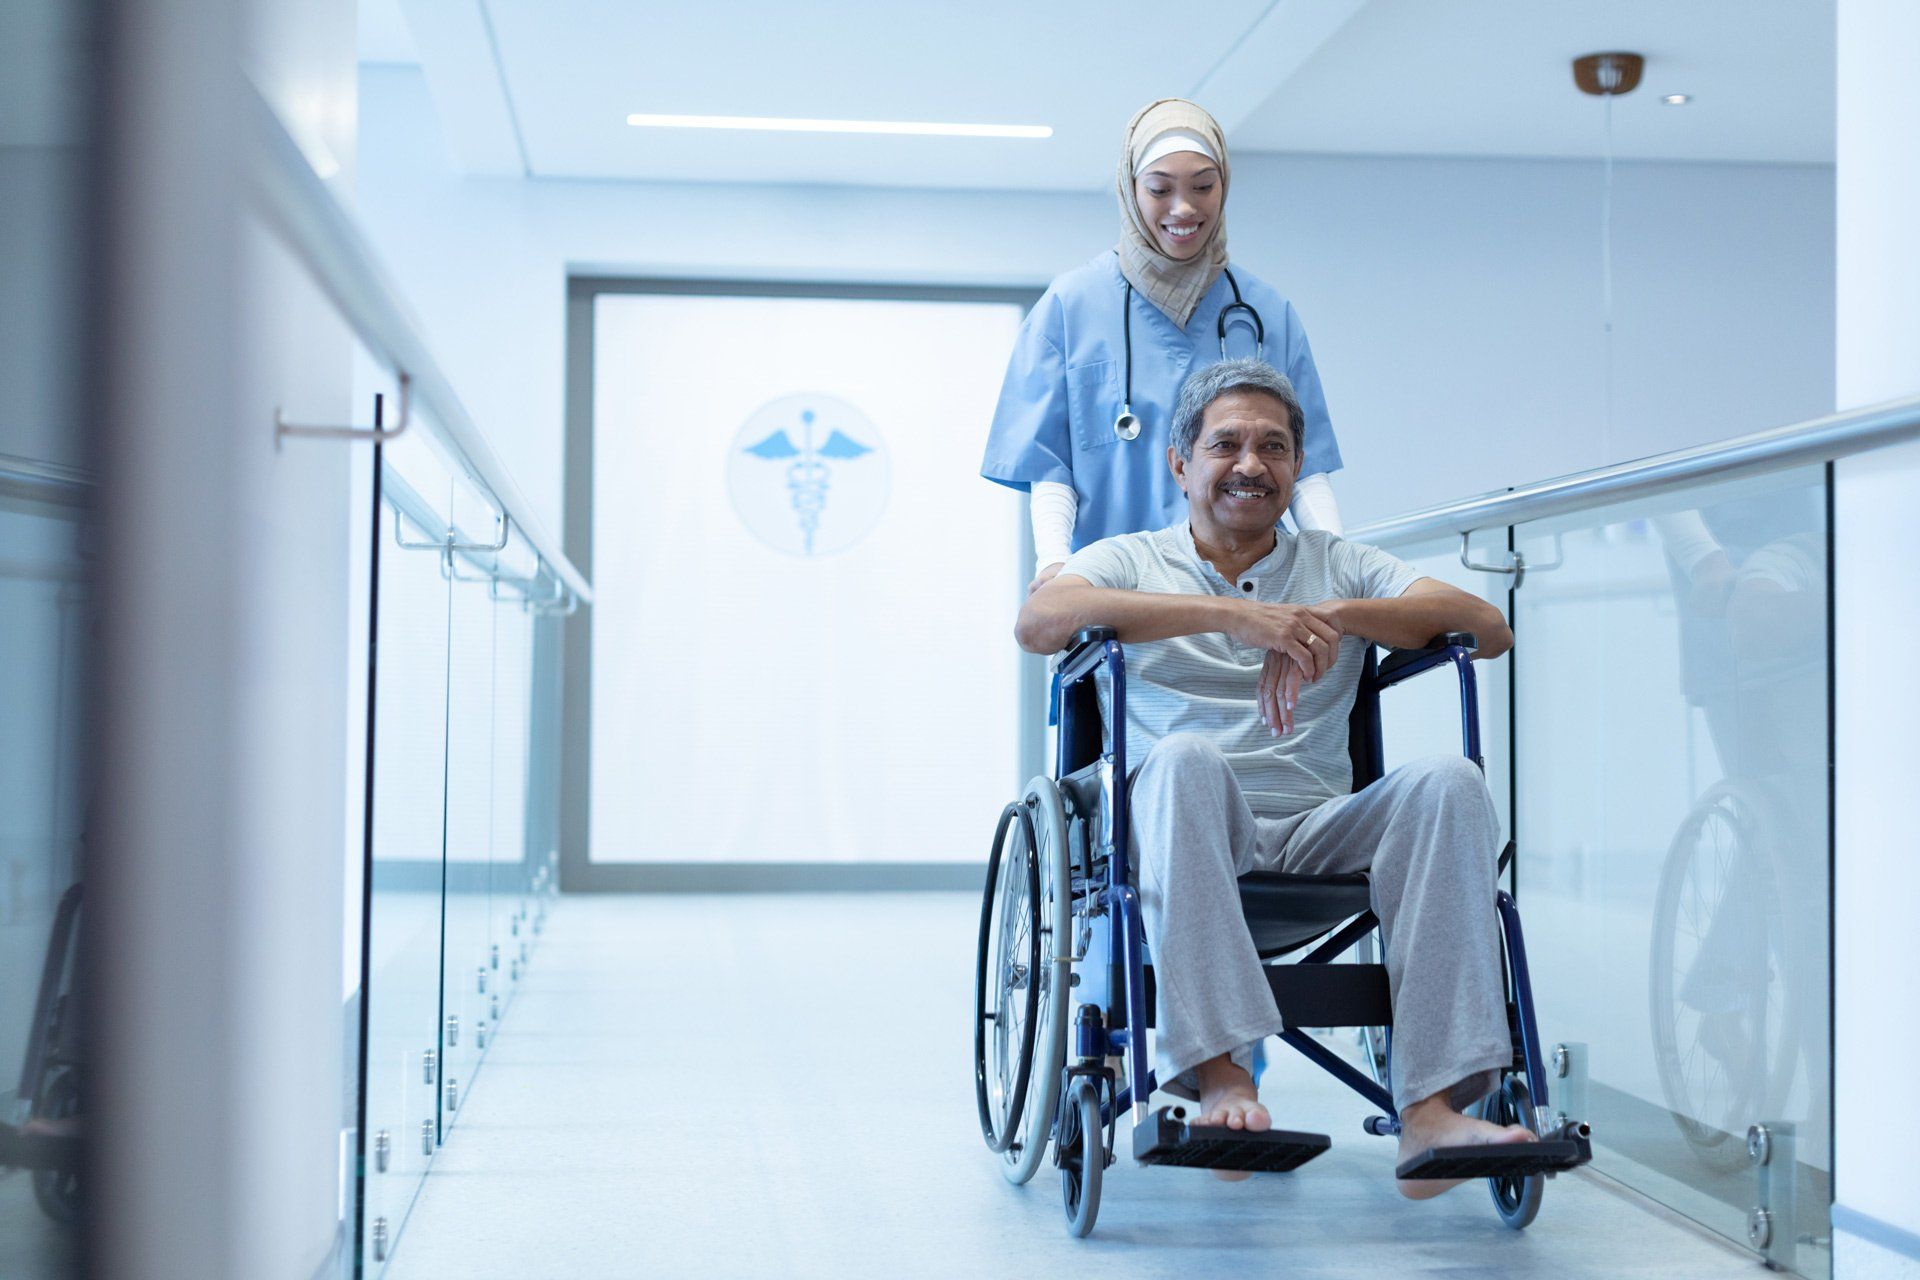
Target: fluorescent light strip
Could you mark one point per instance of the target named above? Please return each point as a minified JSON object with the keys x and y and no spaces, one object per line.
{"x":785,"y":124}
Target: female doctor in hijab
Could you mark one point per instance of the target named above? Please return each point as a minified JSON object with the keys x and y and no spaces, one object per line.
{"x":1084,"y":413}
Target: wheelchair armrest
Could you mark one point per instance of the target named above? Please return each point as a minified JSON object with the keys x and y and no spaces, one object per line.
{"x":1080,"y":653}
{"x":1403,"y":664}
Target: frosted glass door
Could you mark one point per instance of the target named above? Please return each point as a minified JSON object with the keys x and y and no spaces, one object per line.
{"x":804,"y":592}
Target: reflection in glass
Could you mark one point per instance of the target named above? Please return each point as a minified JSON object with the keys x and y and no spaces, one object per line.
{"x":1672,"y":755}
{"x":46,"y":648}
{"x":47,"y":610}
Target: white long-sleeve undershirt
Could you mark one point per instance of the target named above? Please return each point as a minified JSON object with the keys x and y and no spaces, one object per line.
{"x":1313,"y":506}
{"x":1056,"y":506}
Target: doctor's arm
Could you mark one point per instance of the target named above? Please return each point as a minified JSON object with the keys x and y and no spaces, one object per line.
{"x":1055,"y":506}
{"x":1313,"y":506}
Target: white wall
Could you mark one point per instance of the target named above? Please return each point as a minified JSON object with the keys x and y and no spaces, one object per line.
{"x":1876,"y":527}
{"x":1454,"y":305}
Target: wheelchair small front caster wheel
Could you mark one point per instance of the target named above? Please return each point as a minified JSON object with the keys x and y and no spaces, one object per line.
{"x":1516,"y":1199}
{"x":1082,"y":1159}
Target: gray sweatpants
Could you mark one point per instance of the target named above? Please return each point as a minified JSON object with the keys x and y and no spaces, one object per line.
{"x":1426,"y":833}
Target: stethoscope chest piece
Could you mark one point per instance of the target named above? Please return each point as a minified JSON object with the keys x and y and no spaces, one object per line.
{"x":1127,"y":425}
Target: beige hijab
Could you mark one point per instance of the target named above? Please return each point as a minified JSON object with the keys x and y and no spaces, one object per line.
{"x":1176,"y":287}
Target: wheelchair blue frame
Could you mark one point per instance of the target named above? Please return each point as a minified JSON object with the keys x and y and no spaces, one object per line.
{"x":1116,"y":898}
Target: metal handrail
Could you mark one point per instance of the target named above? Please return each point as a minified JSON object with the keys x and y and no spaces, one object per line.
{"x":47,"y":482}
{"x":1835,"y":436}
{"x":323,"y":236}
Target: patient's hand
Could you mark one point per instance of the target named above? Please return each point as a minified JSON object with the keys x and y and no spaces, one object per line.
{"x":1278,"y":691}
{"x":1303,"y":633}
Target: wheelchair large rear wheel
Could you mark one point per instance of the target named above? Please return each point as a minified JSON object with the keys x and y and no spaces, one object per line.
{"x":58,"y":1190}
{"x":1083,"y":1158}
{"x":1054,"y":920}
{"x":1515,"y":1199}
{"x":1006,"y":986}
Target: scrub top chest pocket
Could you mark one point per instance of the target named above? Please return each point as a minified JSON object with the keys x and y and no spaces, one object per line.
{"x":1093,"y":402}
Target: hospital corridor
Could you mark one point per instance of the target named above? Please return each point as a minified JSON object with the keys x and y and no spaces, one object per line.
{"x":876,"y":1173}
{"x":862,"y":640}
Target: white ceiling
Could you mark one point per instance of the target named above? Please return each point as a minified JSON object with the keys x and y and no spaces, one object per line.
{"x":541,"y":88}
{"x":1494,"y":78}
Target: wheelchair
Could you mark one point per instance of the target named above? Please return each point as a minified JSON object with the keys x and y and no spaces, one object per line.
{"x":41,"y":1131}
{"x":1062,"y":959}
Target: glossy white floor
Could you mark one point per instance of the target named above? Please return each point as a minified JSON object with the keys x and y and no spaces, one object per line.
{"x":781,"y":1086}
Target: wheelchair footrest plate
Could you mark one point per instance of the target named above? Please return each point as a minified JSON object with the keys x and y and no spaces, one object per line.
{"x":1498,"y":1160}
{"x":40,"y":1151}
{"x":1160,"y":1139}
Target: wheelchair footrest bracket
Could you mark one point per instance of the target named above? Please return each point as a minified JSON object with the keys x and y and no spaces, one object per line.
{"x":1498,"y":1160}
{"x":1160,"y":1139}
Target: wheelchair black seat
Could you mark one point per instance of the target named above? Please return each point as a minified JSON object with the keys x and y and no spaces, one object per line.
{"x":1285,"y":911}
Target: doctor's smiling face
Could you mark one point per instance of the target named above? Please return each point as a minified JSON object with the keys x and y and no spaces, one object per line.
{"x":1179,"y":197}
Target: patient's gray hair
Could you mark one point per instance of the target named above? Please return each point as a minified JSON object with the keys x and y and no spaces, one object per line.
{"x":1204,"y":386}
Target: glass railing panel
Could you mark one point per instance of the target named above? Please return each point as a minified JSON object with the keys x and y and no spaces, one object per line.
{"x":402,"y":986}
{"x":471,"y":743}
{"x":46,"y":655}
{"x":1422,"y":716}
{"x":509,"y":923}
{"x":542,"y":874}
{"x":1672,"y":676}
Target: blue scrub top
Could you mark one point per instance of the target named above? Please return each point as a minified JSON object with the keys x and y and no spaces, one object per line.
{"x":1064,"y":388}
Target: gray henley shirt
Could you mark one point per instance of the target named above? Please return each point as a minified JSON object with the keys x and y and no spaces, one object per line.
{"x":1205,"y":683}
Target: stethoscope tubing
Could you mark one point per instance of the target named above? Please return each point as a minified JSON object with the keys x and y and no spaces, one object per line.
{"x":1127,"y":426}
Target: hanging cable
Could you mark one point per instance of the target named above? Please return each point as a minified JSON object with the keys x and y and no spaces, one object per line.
{"x":1607,"y":76}
{"x":1606,"y":285}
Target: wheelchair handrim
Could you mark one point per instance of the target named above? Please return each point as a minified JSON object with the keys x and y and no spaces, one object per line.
{"x":999,"y":1141}
{"x":1054,"y":913}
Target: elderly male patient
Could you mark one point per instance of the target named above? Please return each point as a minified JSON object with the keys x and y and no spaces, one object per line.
{"x":1244,"y":648}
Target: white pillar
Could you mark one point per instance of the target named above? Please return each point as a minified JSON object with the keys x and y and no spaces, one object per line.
{"x":215,"y":902}
{"x":1877,"y":683}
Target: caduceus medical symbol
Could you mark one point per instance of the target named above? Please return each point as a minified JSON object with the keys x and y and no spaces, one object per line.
{"x":808,"y":476}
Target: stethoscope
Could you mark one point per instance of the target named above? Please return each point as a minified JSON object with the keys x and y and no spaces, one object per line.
{"x":1127,"y":426}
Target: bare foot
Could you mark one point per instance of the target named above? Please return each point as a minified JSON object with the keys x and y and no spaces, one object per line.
{"x":1430,"y":1122}
{"x":47,"y":1127}
{"x":1228,"y":1100}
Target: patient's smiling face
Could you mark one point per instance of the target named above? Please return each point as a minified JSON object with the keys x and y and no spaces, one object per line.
{"x":1241,"y":476}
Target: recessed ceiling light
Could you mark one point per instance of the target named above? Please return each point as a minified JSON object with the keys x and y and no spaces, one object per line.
{"x":1677,"y":99}
{"x":789,"y":124}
